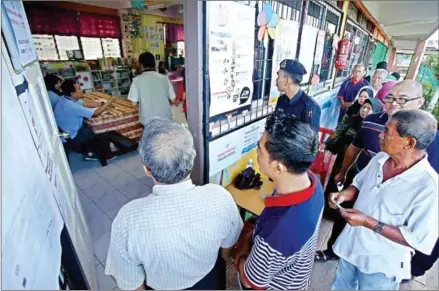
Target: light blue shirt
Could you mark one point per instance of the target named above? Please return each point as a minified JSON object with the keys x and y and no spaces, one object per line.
{"x":53,"y":97}
{"x":69,"y":115}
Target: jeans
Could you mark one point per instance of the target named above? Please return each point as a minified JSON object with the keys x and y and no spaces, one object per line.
{"x":348,"y":277}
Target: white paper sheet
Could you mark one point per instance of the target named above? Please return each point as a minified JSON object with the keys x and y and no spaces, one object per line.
{"x":231,"y":36}
{"x":307,"y":47}
{"x":285,"y":46}
{"x":31,"y":221}
{"x":17,"y":34}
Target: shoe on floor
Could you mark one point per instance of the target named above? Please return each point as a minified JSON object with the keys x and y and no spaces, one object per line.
{"x":323,"y":256}
{"x":90,"y":157}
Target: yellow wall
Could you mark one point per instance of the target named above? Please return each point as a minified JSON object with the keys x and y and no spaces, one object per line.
{"x":140,"y":44}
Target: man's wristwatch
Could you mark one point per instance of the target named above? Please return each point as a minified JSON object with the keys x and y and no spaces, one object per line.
{"x":379,"y":227}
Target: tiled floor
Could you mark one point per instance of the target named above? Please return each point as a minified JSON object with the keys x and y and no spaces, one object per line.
{"x":104,"y":190}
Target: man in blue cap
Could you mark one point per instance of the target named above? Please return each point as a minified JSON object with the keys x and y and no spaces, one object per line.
{"x":294,"y":101}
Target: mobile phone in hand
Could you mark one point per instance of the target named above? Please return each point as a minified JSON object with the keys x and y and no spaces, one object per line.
{"x":339,"y":207}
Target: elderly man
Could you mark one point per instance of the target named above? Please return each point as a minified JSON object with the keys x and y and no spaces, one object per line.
{"x":377,"y":80}
{"x":404,"y":95}
{"x":171,"y":239}
{"x":285,"y":235}
{"x":396,"y":208}
{"x":294,"y":101}
{"x":349,"y":89}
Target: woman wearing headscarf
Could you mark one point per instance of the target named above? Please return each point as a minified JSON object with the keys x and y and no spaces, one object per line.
{"x":53,"y":86}
{"x":384,"y":91}
{"x":337,"y":144}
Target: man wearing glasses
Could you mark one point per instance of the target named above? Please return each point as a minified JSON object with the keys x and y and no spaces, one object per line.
{"x":406,"y":94}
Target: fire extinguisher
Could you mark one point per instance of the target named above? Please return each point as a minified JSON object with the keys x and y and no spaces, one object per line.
{"x":342,"y":54}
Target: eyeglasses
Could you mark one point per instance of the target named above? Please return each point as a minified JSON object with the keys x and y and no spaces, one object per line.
{"x":400,"y":101}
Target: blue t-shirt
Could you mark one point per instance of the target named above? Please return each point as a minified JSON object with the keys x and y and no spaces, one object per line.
{"x":302,"y":107}
{"x":53,"y":97}
{"x":69,"y":115}
{"x":285,"y":240}
{"x":367,"y":139}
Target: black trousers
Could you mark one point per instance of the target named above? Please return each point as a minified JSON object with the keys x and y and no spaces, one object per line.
{"x":421,"y":263}
{"x":214,"y":280}
{"x":98,"y":144}
{"x":333,"y":214}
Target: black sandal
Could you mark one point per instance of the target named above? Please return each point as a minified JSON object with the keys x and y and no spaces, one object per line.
{"x":323,"y":256}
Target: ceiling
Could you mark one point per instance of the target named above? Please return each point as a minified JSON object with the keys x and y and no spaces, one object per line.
{"x":123,"y":4}
{"x":406,"y":22}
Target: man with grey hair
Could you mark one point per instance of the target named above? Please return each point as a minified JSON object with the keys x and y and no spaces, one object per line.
{"x":396,"y":208}
{"x":172,"y":238}
{"x":377,"y":80}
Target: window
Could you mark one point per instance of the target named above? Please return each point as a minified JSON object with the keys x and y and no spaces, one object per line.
{"x":65,"y":43}
{"x":111,"y":47}
{"x":45,"y":47}
{"x":92,"y":48}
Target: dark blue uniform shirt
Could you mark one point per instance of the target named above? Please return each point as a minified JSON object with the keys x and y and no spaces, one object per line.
{"x":302,"y":107}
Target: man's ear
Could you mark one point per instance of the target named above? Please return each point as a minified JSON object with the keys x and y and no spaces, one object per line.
{"x":147,"y":171}
{"x":410,"y":143}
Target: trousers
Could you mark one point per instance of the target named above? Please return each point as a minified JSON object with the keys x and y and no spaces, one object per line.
{"x":89,"y":142}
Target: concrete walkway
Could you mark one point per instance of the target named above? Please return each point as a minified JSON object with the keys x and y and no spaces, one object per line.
{"x":324,"y":273}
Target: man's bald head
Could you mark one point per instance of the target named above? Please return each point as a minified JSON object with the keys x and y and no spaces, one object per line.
{"x":412,"y":88}
{"x":409,"y":91}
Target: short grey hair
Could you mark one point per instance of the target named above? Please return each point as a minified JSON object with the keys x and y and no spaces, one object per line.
{"x":381,"y":72}
{"x":359,"y":66}
{"x":418,"y":124}
{"x":167,"y":150}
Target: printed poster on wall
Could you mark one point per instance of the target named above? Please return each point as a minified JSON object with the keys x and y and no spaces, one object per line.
{"x":285,"y":46}
{"x":16,"y":30}
{"x":319,"y":47}
{"x":231,"y":36}
{"x":307,"y":48}
{"x":228,"y":149}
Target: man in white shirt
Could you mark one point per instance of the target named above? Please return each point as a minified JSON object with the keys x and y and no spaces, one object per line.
{"x":171,"y":239}
{"x":396,"y":211}
{"x":151,"y":91}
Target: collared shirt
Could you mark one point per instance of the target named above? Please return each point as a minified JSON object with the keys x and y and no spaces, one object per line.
{"x":171,"y":238}
{"x":285,"y":240}
{"x":408,"y":201}
{"x":302,"y":107}
{"x":152,"y":91}
{"x":349,"y":90}
{"x":70,"y":114}
{"x":367,"y":139}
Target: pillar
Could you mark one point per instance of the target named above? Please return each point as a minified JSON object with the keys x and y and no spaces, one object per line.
{"x":193,"y":33}
{"x":392,"y":59}
{"x":418,"y":55}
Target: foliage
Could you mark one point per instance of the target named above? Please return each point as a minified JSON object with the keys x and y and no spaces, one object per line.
{"x":432,"y":61}
{"x":429,"y":91}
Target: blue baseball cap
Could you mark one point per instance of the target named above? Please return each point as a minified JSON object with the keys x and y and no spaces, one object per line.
{"x":293,"y":67}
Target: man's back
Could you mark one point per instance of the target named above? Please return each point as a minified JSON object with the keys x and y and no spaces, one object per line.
{"x":153,"y":92}
{"x":173,"y":235}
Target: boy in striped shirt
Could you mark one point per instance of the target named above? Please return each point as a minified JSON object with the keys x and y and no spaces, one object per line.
{"x":279,"y":252}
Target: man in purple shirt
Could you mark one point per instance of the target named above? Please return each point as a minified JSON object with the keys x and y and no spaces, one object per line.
{"x":350,"y":88}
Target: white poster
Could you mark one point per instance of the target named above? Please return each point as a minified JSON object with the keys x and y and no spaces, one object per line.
{"x":231,"y":37}
{"x":307,"y":48}
{"x":228,"y":149}
{"x":16,"y":30}
{"x":319,"y":47}
{"x":31,"y":221}
{"x":285,"y":46}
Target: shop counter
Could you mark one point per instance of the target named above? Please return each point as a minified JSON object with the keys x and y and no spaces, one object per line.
{"x":121,"y":117}
{"x":251,"y":200}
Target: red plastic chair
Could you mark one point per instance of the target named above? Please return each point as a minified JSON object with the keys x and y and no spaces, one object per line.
{"x":325,"y":159}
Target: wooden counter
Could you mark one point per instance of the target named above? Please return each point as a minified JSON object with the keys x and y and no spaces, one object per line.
{"x":252,"y":200}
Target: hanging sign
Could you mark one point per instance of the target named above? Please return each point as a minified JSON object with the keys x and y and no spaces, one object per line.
{"x":319,"y":47}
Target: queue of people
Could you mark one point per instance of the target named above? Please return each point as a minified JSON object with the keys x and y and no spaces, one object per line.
{"x":385,"y":213}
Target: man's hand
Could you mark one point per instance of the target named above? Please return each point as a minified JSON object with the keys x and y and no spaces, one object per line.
{"x":336,"y":198}
{"x":354,"y":217}
{"x":340,"y":178}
